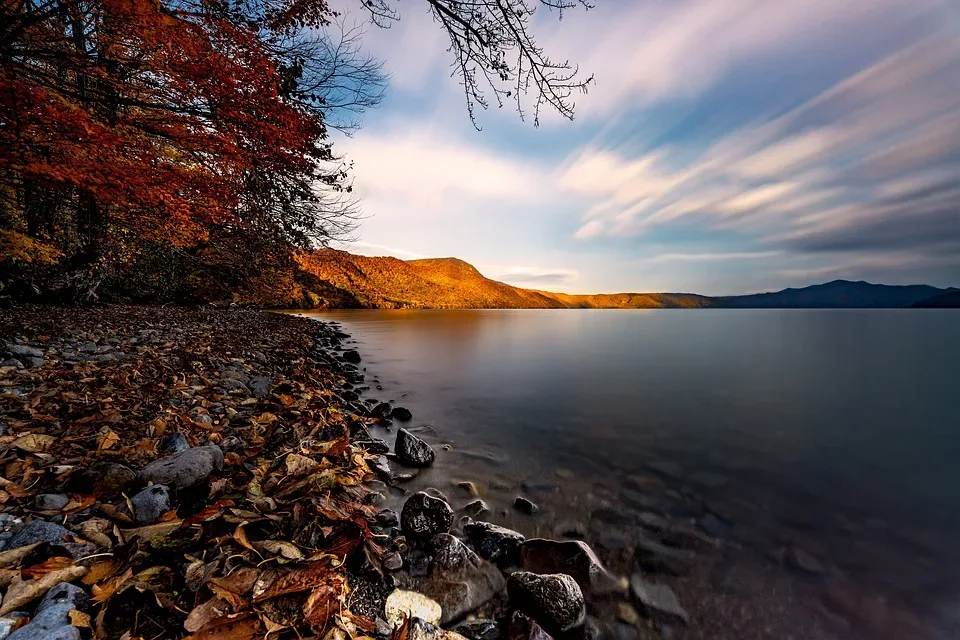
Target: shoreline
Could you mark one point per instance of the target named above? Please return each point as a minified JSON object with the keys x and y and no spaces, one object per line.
{"x":291,"y":486}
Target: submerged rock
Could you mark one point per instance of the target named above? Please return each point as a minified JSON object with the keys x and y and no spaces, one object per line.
{"x":458,"y":579}
{"x":797,"y":558}
{"x":555,"y":602}
{"x":402,"y":414}
{"x":657,"y":601}
{"x":424,"y":516}
{"x":658,"y":558}
{"x":494,"y":543}
{"x":523,"y":505}
{"x":185,"y":469}
{"x":352,"y":356}
{"x":413,"y":451}
{"x":572,"y":557}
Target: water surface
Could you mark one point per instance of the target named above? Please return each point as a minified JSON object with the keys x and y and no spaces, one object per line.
{"x":832,"y":430}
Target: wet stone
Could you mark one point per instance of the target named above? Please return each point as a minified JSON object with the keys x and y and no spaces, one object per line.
{"x":402,"y":414}
{"x":352,"y":356}
{"x":425,"y":516}
{"x":413,"y":451}
{"x":494,"y":543}
{"x":555,"y":602}
{"x":479,"y":629}
{"x":38,"y":531}
{"x":658,"y":558}
{"x":175,"y":443}
{"x":572,"y":557}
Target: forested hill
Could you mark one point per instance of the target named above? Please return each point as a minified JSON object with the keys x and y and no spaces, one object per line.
{"x":444,"y":283}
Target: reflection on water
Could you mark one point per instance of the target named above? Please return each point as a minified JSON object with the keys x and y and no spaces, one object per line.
{"x":836,"y":429}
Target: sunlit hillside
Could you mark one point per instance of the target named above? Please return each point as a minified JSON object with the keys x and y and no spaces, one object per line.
{"x":444,"y":283}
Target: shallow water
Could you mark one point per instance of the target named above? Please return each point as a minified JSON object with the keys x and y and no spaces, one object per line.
{"x":835,"y":431}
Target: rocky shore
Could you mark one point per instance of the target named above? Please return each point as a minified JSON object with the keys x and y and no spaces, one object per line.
{"x":167,"y":473}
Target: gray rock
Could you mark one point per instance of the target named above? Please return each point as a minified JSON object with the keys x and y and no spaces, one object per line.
{"x":151,"y":503}
{"x":51,"y":501}
{"x":418,"y":563}
{"x":523,"y":505}
{"x":175,"y":443}
{"x":555,"y":601}
{"x":88,"y":347}
{"x":12,"y":362}
{"x":412,"y":451}
{"x":657,"y":601}
{"x":382,"y":410}
{"x":103,"y":478}
{"x":658,"y":558}
{"x":185,"y":469}
{"x":572,"y":557}
{"x":20,"y":351}
{"x":260,"y":386}
{"x":392,"y":561}
{"x":388,"y":518}
{"x":458,"y":579}
{"x":35,"y":631}
{"x":233,"y":385}
{"x":424,"y":516}
{"x":479,"y":629}
{"x":39,"y":531}
{"x":521,"y":627}
{"x":494,"y":543}
{"x":33,"y":362}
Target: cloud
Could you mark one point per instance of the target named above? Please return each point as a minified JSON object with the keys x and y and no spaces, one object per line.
{"x":373,"y":249}
{"x":868,"y":165}
{"x":531,"y":277}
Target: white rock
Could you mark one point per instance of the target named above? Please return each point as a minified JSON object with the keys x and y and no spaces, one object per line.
{"x":402,"y":603}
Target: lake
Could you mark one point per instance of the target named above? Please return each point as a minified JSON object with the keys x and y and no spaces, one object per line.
{"x":832,"y":432}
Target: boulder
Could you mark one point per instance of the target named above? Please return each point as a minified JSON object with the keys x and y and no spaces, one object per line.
{"x":151,"y":503}
{"x":495,"y":543}
{"x":554,"y":601}
{"x":657,"y":601}
{"x":51,"y":501}
{"x":402,"y":414}
{"x":572,"y":557}
{"x":458,"y":579}
{"x":402,"y":603}
{"x":185,"y":469}
{"x":412,"y":451}
{"x":424,"y":516}
{"x":476,"y":508}
{"x":21,"y":351}
{"x":352,"y":356}
{"x":382,"y":410}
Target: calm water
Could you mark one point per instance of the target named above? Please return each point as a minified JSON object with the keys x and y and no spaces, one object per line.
{"x":837,"y":430}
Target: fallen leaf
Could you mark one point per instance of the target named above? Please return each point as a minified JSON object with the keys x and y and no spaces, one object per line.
{"x":13,"y":556}
{"x":203,"y":614}
{"x":147,"y":532}
{"x":79,"y":619}
{"x":296,"y":579}
{"x":243,"y":626}
{"x":34,"y":442}
{"x":22,"y":592}
{"x":105,"y":590}
{"x":101,"y":570}
{"x":298,"y":465}
{"x":280,"y":547}
{"x":54,"y":563}
{"x":106,"y":439}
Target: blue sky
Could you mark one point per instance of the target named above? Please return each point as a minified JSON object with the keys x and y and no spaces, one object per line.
{"x":727,"y":146}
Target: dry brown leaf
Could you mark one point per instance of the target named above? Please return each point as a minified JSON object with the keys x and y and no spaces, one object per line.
{"x":295,"y":579}
{"x":241,"y":536}
{"x":240,"y":581}
{"x":79,"y":619}
{"x":102,"y":570}
{"x":203,"y":614}
{"x":34,"y":442}
{"x":243,"y":626}
{"x":54,"y":563}
{"x":22,"y":592}
{"x":280,"y":548}
{"x":161,"y":529}
{"x":105,"y":590}
{"x":107,"y":438}
{"x":298,"y":465}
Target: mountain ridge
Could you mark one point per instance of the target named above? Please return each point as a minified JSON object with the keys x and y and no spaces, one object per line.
{"x":349,"y":280}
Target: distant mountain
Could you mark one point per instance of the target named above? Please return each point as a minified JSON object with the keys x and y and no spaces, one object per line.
{"x":338,"y":279}
{"x":948,"y":300}
{"x":450,"y":283}
{"x":839,"y":294}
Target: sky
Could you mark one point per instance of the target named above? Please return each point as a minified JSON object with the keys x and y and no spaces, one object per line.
{"x":726,"y":146}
